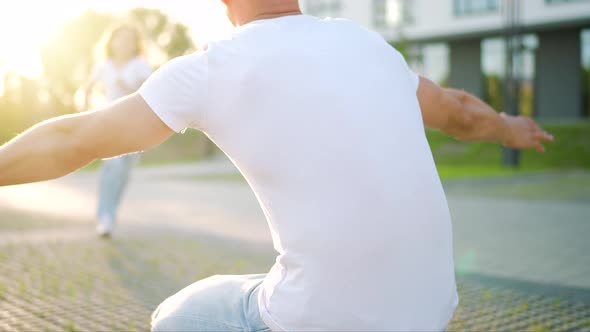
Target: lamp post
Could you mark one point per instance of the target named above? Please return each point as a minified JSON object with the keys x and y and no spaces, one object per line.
{"x":512,"y":12}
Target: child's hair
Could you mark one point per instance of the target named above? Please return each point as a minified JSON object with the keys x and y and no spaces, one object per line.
{"x":105,"y":47}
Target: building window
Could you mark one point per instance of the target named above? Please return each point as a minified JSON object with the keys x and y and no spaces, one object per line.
{"x":471,"y":7}
{"x":550,"y":2}
{"x":493,"y":60}
{"x":380,"y":13}
{"x":430,"y":60}
{"x":324,"y":8}
{"x":390,"y":13}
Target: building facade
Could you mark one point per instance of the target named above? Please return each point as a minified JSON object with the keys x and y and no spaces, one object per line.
{"x":461,"y":42}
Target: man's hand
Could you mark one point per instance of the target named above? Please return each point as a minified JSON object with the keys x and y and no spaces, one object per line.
{"x":524,"y":133}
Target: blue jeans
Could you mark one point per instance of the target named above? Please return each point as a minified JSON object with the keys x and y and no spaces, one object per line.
{"x":113,"y":180}
{"x":218,"y":303}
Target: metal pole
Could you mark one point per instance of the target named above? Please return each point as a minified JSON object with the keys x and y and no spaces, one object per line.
{"x":511,"y":157}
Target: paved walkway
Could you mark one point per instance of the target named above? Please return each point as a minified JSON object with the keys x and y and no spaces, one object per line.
{"x":536,"y":241}
{"x":156,"y":197}
{"x":540,"y":241}
{"x":521,"y":263}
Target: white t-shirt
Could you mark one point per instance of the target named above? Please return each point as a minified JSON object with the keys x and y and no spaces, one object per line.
{"x":322,"y":118}
{"x":132,"y":74}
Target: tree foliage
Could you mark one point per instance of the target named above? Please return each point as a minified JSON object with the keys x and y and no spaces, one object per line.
{"x":68,"y":58}
{"x":69,"y":53}
{"x":172,"y":38}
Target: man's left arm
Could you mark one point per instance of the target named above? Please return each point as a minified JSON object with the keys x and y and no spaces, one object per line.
{"x":467,"y":118}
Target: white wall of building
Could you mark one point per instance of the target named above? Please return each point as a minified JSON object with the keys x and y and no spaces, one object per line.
{"x":437,"y":18}
{"x":537,"y":11}
{"x":432,"y":18}
{"x":359,"y":12}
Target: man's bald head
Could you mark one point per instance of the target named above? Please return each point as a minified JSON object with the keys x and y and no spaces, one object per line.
{"x":241,"y":12}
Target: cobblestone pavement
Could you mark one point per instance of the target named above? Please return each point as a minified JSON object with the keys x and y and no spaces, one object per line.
{"x":114,"y":285}
{"x":108,"y":285}
{"x":533,"y":228}
{"x":522,"y":263}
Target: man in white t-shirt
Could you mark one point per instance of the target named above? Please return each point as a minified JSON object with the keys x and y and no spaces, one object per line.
{"x":326,"y":122}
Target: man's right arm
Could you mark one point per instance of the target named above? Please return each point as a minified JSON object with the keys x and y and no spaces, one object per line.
{"x":467,"y":118}
{"x":61,"y":145}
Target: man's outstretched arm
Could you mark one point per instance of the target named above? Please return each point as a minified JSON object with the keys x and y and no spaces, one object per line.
{"x":465,"y":117}
{"x":61,"y":145}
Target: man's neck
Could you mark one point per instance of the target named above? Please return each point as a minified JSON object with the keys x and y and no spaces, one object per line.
{"x":268,"y":9}
{"x":275,"y":15}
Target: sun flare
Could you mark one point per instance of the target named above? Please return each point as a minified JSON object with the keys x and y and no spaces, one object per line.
{"x":25,"y":25}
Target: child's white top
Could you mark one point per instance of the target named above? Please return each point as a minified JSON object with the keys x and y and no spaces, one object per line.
{"x":132,"y":74}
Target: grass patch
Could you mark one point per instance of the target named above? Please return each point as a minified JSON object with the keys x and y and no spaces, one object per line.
{"x":571,"y":150}
{"x":447,"y":172}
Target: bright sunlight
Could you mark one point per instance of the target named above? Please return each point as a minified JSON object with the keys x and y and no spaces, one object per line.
{"x":23,"y":31}
{"x":25,"y":25}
